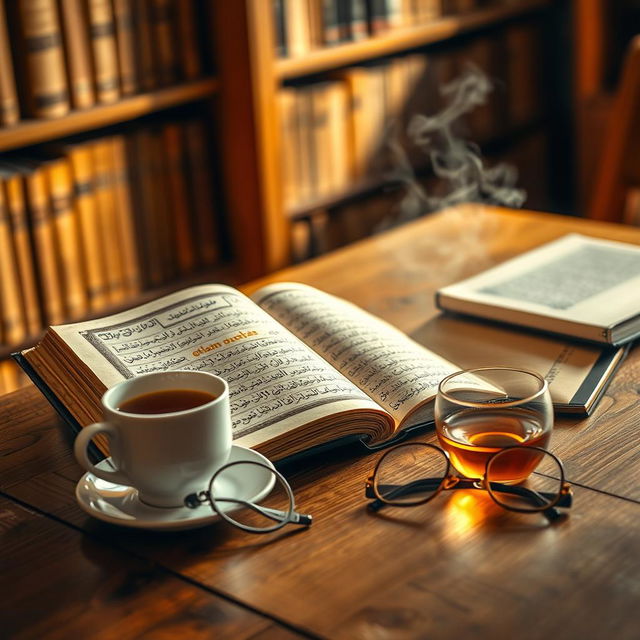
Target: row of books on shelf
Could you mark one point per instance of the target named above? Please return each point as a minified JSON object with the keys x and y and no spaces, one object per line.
{"x":58,"y":55}
{"x":87,"y":226}
{"x":305,"y":25}
{"x":335,"y":132}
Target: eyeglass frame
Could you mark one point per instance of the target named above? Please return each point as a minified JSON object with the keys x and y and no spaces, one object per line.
{"x":563,"y":498}
{"x":283,"y":518}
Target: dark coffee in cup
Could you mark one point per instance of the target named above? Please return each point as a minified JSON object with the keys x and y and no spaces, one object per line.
{"x":166,"y":401}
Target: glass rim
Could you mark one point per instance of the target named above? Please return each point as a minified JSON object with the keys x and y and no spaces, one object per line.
{"x":483,"y":405}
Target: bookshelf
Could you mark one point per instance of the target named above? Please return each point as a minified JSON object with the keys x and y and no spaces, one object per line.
{"x":237,"y":93}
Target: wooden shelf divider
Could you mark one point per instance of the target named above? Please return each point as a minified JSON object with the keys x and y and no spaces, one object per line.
{"x":395,"y":41}
{"x":31,"y":132}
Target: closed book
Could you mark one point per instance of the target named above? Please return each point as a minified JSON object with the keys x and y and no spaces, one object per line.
{"x":108,"y":219}
{"x":306,"y":158}
{"x":9,"y":110}
{"x":321,"y":151}
{"x":357,"y":17}
{"x":367,"y":105}
{"x":12,"y":318}
{"x":67,"y":236}
{"x":163,"y":224}
{"x":15,"y":203}
{"x":140,"y":150}
{"x":296,"y":22}
{"x":44,"y":242}
{"x":164,"y":41}
{"x":123,"y":16}
{"x":331,"y":20}
{"x":182,"y":226}
{"x":337,"y":137}
{"x":145,"y":64}
{"x":105,"y":52}
{"x":124,"y":215}
{"x":289,"y":146}
{"x":316,"y":24}
{"x":202,"y":193}
{"x":379,"y":16}
{"x":189,"y":49}
{"x":77,"y":53}
{"x":39,"y":55}
{"x":83,"y":172}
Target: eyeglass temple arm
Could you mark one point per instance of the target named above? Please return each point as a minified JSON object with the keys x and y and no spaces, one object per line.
{"x":277,"y":515}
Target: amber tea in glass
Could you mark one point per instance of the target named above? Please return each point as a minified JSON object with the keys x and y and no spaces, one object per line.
{"x":481,"y":411}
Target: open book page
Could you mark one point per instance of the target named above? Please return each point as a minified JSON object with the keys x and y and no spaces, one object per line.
{"x":276,"y":382}
{"x":564,"y":364}
{"x":397,"y":372}
{"x":562,"y":286}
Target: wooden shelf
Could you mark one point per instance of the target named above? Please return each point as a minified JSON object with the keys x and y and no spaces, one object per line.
{"x":222,"y":274}
{"x":398,"y":40}
{"x":30,"y":132}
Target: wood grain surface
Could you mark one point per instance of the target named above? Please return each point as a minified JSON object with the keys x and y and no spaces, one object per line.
{"x":457,"y":567}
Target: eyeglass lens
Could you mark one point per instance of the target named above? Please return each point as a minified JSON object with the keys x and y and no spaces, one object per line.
{"x":410,"y":473}
{"x":540,"y":476}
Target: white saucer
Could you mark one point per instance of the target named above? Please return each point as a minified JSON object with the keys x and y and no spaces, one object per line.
{"x":119,"y":504}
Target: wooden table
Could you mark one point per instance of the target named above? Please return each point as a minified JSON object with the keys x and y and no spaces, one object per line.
{"x":458,"y":567}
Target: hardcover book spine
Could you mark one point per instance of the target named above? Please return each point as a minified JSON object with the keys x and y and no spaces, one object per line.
{"x":43,"y":83}
{"x":15,"y":202}
{"x":11,"y":304}
{"x":145,"y":67}
{"x":290,"y":148}
{"x":105,"y":198}
{"x":123,"y":16}
{"x":51,"y":292}
{"x":162,"y":17}
{"x":78,"y":53}
{"x":337,"y":137}
{"x":105,"y":53}
{"x":124,"y":212}
{"x":9,"y":110}
{"x":81,"y":160}
{"x":331,"y":20}
{"x":189,"y":50}
{"x":182,"y":223}
{"x":320,"y":141}
{"x":203,"y":196}
{"x":65,"y":223}
{"x":358,"y":28}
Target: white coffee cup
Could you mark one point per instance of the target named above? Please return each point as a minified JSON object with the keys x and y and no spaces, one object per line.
{"x":165,"y":456}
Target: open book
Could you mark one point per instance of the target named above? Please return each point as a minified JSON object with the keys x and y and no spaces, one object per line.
{"x":577,"y":286}
{"x":304,"y":368}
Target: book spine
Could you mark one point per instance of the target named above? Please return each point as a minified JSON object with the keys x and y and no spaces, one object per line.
{"x":189,"y":50}
{"x":290,"y":147}
{"x":77,"y":53}
{"x":105,"y":53}
{"x":378,"y":16}
{"x":44,"y":84}
{"x":320,"y":140}
{"x":50,"y":281}
{"x":105,"y":198}
{"x":358,"y":29}
{"x":337,"y":137}
{"x":182,"y":223}
{"x":331,"y":21}
{"x":280,"y":31}
{"x":145,"y":66}
{"x":11,"y":304}
{"x":65,"y":224}
{"x":16,"y":205}
{"x":123,"y":17}
{"x":140,"y":154}
{"x":9,"y":110}
{"x":162,"y":19}
{"x":81,"y":159}
{"x":306,"y":168}
{"x":124,"y":212}
{"x":203,"y":196}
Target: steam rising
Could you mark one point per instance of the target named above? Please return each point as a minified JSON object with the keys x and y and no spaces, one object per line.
{"x":456,"y":162}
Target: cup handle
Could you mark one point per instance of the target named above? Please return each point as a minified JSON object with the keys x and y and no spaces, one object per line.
{"x":80,"y":450}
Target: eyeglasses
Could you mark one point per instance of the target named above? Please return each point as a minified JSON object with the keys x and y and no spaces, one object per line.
{"x":411,"y":474}
{"x":251,"y":496}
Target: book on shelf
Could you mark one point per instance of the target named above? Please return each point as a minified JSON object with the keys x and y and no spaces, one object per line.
{"x":125,"y":42}
{"x":78,"y":53}
{"x":581,"y":287}
{"x":15,"y":202}
{"x":9,"y":109}
{"x":102,"y":33}
{"x":166,"y":53}
{"x":39,"y":57}
{"x":305,"y":369}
